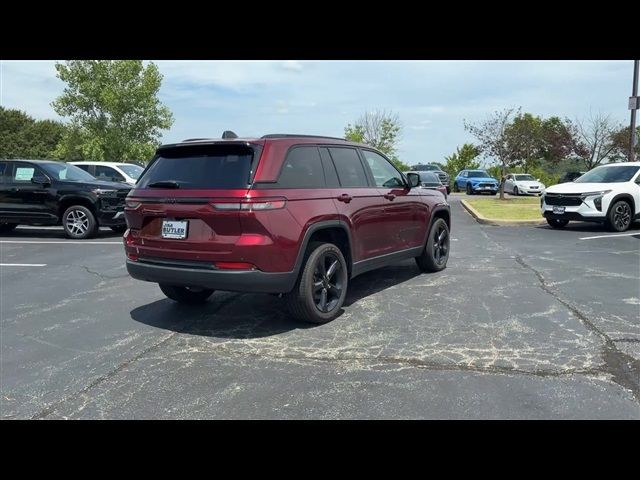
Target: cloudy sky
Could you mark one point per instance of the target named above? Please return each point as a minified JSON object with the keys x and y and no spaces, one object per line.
{"x":320,"y":97}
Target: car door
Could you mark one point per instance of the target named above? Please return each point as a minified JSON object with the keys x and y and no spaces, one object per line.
{"x":406,"y":216}
{"x":359,"y":202}
{"x":4,"y":189}
{"x":29,"y":201}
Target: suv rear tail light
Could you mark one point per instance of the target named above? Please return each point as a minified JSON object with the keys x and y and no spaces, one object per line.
{"x":131,"y":204}
{"x":251,"y":205}
{"x":132,"y":256}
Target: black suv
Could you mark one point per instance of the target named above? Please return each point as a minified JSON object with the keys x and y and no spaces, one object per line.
{"x":41,"y":192}
{"x":442,"y":175}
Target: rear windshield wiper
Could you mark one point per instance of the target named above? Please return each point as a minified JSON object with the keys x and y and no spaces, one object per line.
{"x":164,"y":184}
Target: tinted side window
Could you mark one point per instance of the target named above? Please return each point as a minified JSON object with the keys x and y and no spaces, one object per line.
{"x":329,"y":169}
{"x":83,"y":167}
{"x":350,"y":170}
{"x":22,"y":172}
{"x":384,"y":174}
{"x":108,"y":173}
{"x":302,"y":169}
{"x":4,"y":172}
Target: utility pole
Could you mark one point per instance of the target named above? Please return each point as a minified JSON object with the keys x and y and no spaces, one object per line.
{"x":634,"y":105}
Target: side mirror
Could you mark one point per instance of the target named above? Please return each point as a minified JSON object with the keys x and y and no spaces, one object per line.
{"x":40,"y":180}
{"x":414,"y":179}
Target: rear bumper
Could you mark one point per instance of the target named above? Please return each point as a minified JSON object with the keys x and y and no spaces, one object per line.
{"x":251,"y":281}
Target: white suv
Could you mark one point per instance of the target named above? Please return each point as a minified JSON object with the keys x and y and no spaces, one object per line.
{"x":112,"y":171}
{"x":608,"y":193}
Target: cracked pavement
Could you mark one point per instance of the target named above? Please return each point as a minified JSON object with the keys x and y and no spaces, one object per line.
{"x":525,"y":322}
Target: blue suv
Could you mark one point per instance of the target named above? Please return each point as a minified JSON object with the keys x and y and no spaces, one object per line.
{"x":475,"y":181}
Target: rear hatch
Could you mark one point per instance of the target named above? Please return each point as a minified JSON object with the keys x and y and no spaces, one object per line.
{"x":187,"y":204}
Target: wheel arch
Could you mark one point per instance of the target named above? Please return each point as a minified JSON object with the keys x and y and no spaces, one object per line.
{"x":330,"y":231}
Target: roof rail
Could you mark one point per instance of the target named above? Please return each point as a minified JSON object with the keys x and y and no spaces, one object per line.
{"x":291,"y":135}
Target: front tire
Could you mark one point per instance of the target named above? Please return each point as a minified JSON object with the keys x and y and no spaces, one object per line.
{"x":515,"y":191}
{"x":619,"y":218}
{"x":555,"y":223}
{"x":79,"y":222}
{"x":455,"y":187}
{"x":7,"y":227}
{"x":186,"y":295}
{"x":436,"y":253}
{"x":322,"y":287}
{"x":469,"y":189}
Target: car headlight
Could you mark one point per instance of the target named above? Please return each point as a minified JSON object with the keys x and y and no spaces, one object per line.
{"x":104,"y":192}
{"x":595,"y":194}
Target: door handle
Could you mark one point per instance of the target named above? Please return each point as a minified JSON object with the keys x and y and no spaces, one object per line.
{"x":389,"y":196}
{"x":345,"y":198}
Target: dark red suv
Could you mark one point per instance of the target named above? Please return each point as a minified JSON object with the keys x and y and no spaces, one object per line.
{"x":298,"y":215}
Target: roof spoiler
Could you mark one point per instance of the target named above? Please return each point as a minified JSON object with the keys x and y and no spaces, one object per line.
{"x":229,"y":134}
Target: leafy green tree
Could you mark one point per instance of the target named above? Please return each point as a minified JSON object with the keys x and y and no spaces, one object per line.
{"x":379,"y":129}
{"x":21,"y":136}
{"x":113,"y":108}
{"x":463,"y":158}
{"x":525,"y":140}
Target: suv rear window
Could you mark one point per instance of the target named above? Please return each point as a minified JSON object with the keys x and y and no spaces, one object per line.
{"x":202,"y":167}
{"x":302,"y":169}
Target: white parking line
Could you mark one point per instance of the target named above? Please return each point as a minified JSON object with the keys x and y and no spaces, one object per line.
{"x":609,"y":236}
{"x":23,"y":264}
{"x":68,"y":242}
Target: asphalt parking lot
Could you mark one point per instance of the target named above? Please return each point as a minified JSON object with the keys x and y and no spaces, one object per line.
{"x":526,"y":322}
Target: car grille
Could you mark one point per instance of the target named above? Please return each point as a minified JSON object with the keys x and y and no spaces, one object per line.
{"x":486,"y":185}
{"x":443,"y":177}
{"x":565,"y":199}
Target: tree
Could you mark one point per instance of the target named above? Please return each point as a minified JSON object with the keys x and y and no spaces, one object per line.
{"x":463,"y":158}
{"x":379,"y":129}
{"x":621,"y":139}
{"x":493,"y":140}
{"x":113,"y":107}
{"x":525,"y":140}
{"x":594,"y":140}
{"x":21,"y":136}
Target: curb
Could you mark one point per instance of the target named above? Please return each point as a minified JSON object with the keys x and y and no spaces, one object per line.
{"x":502,"y":223}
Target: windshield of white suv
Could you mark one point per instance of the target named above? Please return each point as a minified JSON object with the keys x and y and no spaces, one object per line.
{"x":525,"y":178}
{"x":617,"y":174}
{"x":133,"y":171}
{"x":67,"y":172}
{"x":479,"y":174}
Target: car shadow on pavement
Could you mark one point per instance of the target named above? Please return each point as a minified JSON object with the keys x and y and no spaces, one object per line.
{"x":53,"y":233}
{"x":246,"y":316}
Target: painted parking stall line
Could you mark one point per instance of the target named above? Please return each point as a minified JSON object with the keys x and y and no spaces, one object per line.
{"x":610,"y":236}
{"x":23,"y":264}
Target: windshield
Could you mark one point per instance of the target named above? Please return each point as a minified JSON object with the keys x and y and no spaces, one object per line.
{"x":200,"y":167}
{"x":479,"y":174}
{"x":428,"y":177}
{"x":617,"y":174}
{"x":67,"y":172}
{"x":424,"y":168}
{"x":133,"y":171}
{"x":527,"y":178}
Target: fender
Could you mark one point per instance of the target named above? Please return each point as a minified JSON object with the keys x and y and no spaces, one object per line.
{"x":314,"y":228}
{"x":438,"y":207}
{"x":623,"y":196}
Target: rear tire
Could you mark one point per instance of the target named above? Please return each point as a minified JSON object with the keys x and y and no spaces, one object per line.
{"x":186,"y":294}
{"x":79,"y":222}
{"x":435,"y":255}
{"x":619,"y":217}
{"x":322,"y":286}
{"x":7,"y":227}
{"x":555,"y":223}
